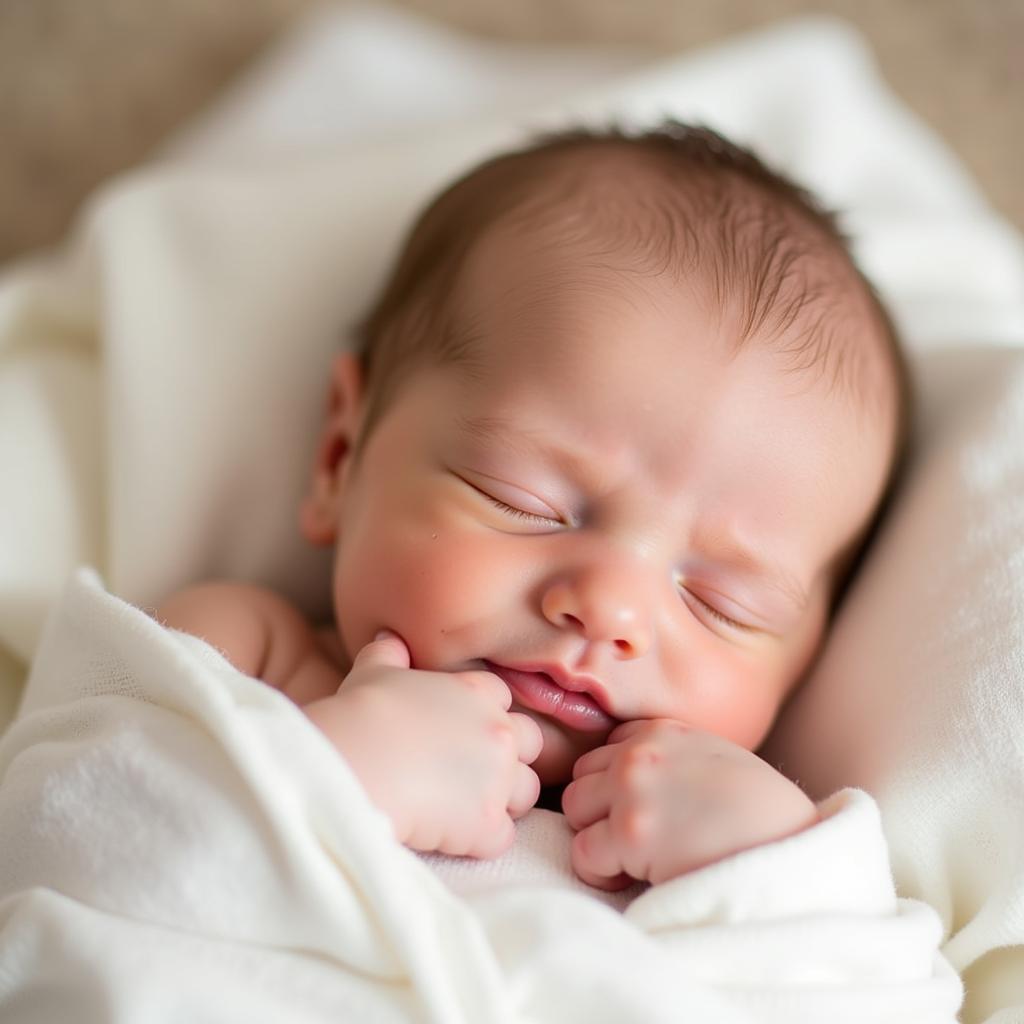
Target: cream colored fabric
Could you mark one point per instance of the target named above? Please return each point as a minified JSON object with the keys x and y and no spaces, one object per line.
{"x":180,"y":843}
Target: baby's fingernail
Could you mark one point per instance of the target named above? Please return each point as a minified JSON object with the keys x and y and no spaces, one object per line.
{"x":383,"y":634}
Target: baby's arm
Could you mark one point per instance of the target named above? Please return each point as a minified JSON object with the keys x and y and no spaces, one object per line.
{"x":660,"y":800}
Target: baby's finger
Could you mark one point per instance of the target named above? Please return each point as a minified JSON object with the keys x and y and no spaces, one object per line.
{"x":594,"y":858}
{"x":596,"y":760}
{"x":494,"y":841}
{"x":525,"y":790}
{"x":387,"y":649}
{"x":488,"y":684}
{"x":623,"y":732}
{"x":529,"y":739}
{"x":587,"y":800}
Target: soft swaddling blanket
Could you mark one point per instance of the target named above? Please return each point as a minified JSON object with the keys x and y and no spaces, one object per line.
{"x":180,"y":844}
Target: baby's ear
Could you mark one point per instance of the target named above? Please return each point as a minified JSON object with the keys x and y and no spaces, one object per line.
{"x":321,"y":507}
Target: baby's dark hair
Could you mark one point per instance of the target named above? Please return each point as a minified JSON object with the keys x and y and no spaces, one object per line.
{"x":682,"y":200}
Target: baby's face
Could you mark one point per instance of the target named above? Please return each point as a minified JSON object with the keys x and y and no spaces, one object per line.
{"x":610,"y":512}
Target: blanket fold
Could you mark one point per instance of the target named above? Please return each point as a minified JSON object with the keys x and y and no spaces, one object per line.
{"x":180,"y":843}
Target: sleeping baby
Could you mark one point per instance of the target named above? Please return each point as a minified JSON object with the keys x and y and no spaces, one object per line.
{"x":620,"y":423}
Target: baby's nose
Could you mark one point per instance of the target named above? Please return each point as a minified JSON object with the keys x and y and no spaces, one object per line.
{"x":606,"y":603}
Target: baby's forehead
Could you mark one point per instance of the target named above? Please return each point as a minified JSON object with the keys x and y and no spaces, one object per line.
{"x":555,"y":287}
{"x":522,"y":289}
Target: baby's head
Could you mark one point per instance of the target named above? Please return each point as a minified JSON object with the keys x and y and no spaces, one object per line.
{"x":624,"y":414}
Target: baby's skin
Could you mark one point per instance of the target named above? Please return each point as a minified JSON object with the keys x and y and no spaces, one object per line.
{"x":600,"y":556}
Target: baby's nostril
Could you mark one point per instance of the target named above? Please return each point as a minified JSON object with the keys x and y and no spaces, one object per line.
{"x":625,"y":646}
{"x":572,"y":620}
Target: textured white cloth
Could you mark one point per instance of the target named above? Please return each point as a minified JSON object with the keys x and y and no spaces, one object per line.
{"x":181,"y":844}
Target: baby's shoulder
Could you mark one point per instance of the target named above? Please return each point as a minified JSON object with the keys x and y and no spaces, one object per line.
{"x":258,"y":630}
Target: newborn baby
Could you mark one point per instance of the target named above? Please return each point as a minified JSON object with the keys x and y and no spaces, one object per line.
{"x":620,"y":423}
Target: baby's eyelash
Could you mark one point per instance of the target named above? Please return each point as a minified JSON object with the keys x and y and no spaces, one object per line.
{"x":518,"y":513}
{"x":721,"y":616}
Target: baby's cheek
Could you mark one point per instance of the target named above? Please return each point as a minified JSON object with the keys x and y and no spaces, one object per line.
{"x":732,"y":695}
{"x":747,"y":722}
{"x":436,"y":589}
{"x":753,"y":716}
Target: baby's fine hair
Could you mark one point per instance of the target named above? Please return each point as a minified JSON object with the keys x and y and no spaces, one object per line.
{"x":679,"y":199}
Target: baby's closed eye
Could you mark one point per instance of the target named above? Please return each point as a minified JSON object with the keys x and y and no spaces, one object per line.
{"x":514,"y":501}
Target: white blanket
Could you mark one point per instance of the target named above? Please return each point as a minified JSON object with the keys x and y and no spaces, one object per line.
{"x":180,"y":844}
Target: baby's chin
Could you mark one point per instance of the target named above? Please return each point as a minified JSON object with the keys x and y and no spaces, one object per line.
{"x":562,"y":749}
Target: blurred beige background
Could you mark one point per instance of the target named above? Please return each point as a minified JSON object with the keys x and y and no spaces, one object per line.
{"x":88,"y":87}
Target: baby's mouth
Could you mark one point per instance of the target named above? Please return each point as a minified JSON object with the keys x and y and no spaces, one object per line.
{"x":537,"y":691}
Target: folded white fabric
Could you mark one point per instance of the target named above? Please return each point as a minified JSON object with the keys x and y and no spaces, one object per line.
{"x":180,"y":843}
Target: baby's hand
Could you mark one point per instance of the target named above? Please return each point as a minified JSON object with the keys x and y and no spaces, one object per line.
{"x":660,"y":800}
{"x":438,"y":752}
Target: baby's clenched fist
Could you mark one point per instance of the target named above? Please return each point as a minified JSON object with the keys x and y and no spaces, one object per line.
{"x":438,"y":752}
{"x":661,"y":799}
